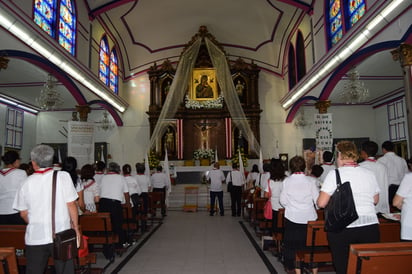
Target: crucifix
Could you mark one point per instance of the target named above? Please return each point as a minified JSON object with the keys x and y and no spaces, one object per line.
{"x":204,"y":127}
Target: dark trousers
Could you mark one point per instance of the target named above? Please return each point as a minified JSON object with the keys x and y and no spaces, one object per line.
{"x":163,"y":190}
{"x":11,"y":219}
{"x":114,"y":207}
{"x":37,"y":256}
{"x":145,"y":199}
{"x":219,"y":196}
{"x":339,"y":243}
{"x":275,"y":228}
{"x":293,"y":240}
{"x":236,"y":200}
{"x":391,"y":192}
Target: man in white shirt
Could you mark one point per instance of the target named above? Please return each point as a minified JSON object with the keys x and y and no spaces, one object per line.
{"x":216,"y":178}
{"x":160,"y":183}
{"x":238,"y":180}
{"x":368,"y":154}
{"x":396,"y":166}
{"x":33,"y":200}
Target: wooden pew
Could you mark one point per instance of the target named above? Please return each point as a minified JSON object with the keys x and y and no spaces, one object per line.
{"x":13,"y":235}
{"x":156,"y":203}
{"x":380,"y":258}
{"x":8,"y":260}
{"x":130,"y":224}
{"x":317,"y":246}
{"x":390,"y":231}
{"x":98,"y":227}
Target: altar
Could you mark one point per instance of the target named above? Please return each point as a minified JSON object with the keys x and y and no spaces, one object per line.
{"x":194,"y":174}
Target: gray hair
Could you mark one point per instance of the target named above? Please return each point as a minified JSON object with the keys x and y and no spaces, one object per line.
{"x":42,"y":155}
{"x":114,"y":167}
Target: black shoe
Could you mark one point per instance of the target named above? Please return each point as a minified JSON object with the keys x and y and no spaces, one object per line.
{"x":211,"y":214}
{"x":222,"y":214}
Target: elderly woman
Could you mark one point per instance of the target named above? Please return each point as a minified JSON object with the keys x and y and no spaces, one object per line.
{"x":11,"y":179}
{"x":298,"y":197}
{"x":365,"y":191}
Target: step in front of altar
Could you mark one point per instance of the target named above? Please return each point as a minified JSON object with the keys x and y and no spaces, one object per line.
{"x":177,"y":197}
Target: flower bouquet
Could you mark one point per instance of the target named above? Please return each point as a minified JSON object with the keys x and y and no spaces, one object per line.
{"x":203,"y":154}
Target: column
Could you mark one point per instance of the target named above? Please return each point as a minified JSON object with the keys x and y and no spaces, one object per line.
{"x":83,"y":110}
{"x":403,"y":54}
{"x":322,"y":106}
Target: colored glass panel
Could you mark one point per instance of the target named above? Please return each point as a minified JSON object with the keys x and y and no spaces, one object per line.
{"x":45,"y":15}
{"x":356,"y":9}
{"x":114,"y":72}
{"x":104,"y":61}
{"x":335,"y":22}
{"x":67,"y":26}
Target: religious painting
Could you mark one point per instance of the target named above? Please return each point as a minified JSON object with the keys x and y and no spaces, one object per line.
{"x":204,"y":84}
{"x":165,"y":87}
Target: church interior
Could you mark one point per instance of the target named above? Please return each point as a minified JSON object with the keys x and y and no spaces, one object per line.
{"x":188,"y":81}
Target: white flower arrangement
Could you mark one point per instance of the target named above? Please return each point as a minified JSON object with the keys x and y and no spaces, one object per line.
{"x":203,"y":154}
{"x":207,"y":104}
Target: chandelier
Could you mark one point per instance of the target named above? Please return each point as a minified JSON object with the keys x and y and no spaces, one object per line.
{"x":49,"y":98}
{"x":105,"y":123}
{"x":301,"y":120}
{"x":354,"y":90}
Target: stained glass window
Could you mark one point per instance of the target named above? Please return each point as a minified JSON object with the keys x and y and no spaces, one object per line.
{"x":335,"y":21}
{"x":342,"y":15}
{"x":45,"y":15}
{"x":114,"y":72}
{"x":58,"y":19}
{"x":104,"y":61}
{"x":67,"y":26}
{"x":356,"y":9}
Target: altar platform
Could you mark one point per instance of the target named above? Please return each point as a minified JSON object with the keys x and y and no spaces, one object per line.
{"x":194,"y":174}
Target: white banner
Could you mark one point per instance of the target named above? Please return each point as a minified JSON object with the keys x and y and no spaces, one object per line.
{"x":323,"y":131}
{"x":80,"y":144}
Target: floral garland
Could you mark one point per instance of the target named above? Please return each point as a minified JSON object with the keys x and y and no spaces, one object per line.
{"x":235,"y":157}
{"x":203,"y":154}
{"x":153,"y":160}
{"x":207,"y":104}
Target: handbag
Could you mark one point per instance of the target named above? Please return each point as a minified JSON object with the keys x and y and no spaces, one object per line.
{"x":84,"y":247}
{"x":341,"y":210}
{"x":64,"y":242}
{"x":267,"y":210}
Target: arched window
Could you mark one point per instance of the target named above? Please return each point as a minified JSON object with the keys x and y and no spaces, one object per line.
{"x":341,"y":16}
{"x":114,"y":71}
{"x":104,"y":61}
{"x":300,"y":56}
{"x":291,"y":67}
{"x":58,"y":19}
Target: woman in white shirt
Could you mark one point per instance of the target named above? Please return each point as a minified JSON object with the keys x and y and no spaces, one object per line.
{"x":298,"y":197}
{"x":277,"y":175}
{"x":253,"y":177}
{"x":365,"y":191}
{"x":403,"y":201}
{"x":91,"y":189}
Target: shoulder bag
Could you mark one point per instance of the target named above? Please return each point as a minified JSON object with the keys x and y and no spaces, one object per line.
{"x":340,"y":211}
{"x":267,"y":210}
{"x":65,"y":242}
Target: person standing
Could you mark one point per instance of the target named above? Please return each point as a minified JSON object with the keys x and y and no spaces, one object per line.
{"x":113,"y":193}
{"x":238,"y":180}
{"x":133,"y":186}
{"x":327,"y":165}
{"x":70,"y":165}
{"x":11,"y":179}
{"x":264,"y":178}
{"x":403,"y":201}
{"x":33,"y":200}
{"x":91,"y":190}
{"x":298,"y":197}
{"x":365,"y":192}
{"x":277,"y":175}
{"x":216,"y":178}
{"x":144,"y":183}
{"x":396,"y":167}
{"x":253,"y":177}
{"x":160,"y":183}
{"x":100,"y":168}
{"x":368,"y":153}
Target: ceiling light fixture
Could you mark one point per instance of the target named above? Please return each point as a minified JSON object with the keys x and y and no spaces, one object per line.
{"x":105,"y":124}
{"x":49,"y":98}
{"x":354,"y":90}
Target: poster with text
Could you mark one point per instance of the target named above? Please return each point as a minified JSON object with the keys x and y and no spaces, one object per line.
{"x":323,"y":131}
{"x":81,"y":142}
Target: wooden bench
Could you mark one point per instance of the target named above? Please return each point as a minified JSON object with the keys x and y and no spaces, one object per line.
{"x":13,"y":236}
{"x":390,"y":231}
{"x":98,"y":227}
{"x":317,"y":247}
{"x":130,"y":223}
{"x":156,"y":203}
{"x":380,"y":258}
{"x":8,"y":260}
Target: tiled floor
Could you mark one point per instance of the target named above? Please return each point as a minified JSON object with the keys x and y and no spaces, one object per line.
{"x":196,"y":243}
